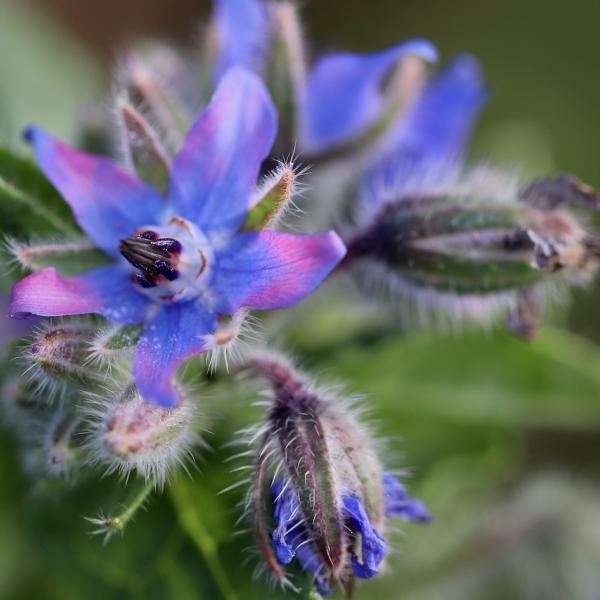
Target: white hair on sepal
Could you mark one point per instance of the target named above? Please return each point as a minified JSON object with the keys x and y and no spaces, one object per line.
{"x":232,"y":337}
{"x":102,"y":356}
{"x":422,"y":306}
{"x":482,"y":183}
{"x":126,"y":434}
{"x":289,"y":174}
{"x":22,"y":253}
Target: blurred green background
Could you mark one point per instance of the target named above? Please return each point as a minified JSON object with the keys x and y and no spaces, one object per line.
{"x":502,"y":438}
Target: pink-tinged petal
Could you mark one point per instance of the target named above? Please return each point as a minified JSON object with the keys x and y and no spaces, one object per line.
{"x":242,"y":31}
{"x":214,"y":175}
{"x":106,"y":291}
{"x":175,"y":333}
{"x":342,"y":97}
{"x":108,"y":202}
{"x":266,"y":269}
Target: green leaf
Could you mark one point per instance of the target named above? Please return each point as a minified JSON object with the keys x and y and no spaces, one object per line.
{"x":28,"y":201}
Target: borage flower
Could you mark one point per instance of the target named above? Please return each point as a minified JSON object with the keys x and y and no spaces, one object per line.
{"x":191,"y":263}
{"x":319,"y":493}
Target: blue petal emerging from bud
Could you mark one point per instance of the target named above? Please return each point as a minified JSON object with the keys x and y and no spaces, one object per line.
{"x":396,"y":502}
{"x":290,"y":539}
{"x":373,"y":546}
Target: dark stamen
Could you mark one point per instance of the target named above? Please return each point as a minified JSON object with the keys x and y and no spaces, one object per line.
{"x":153,"y":256}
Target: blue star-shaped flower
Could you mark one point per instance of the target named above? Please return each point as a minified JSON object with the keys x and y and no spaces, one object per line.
{"x":181,"y":261}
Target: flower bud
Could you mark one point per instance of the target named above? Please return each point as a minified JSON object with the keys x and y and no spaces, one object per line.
{"x":468,"y":252}
{"x":320,"y":494}
{"x":57,"y":356}
{"x":130,"y":434}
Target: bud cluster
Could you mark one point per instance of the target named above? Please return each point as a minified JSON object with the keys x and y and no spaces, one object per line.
{"x":320,"y":494}
{"x":74,"y":411}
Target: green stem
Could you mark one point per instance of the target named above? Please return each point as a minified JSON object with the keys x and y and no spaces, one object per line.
{"x":189,"y":519}
{"x":112,"y":525}
{"x":136,"y":503}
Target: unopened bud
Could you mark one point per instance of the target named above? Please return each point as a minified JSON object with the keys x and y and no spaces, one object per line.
{"x":57,"y":356}
{"x":320,"y":494}
{"x":130,"y":434}
{"x":468,"y":255}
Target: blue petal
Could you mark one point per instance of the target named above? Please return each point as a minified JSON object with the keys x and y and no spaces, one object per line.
{"x":310,"y":561}
{"x":289,"y":537}
{"x":429,"y":141}
{"x":176,"y":332}
{"x":287,"y":513}
{"x":373,"y":546}
{"x":214,"y":175}
{"x":342,"y":97}
{"x":397,"y":503}
{"x":242,"y":31}
{"x":108,"y":203}
{"x":268,"y":269}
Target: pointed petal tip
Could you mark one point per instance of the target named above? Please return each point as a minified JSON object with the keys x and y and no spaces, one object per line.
{"x":423,"y":48}
{"x":28,"y":134}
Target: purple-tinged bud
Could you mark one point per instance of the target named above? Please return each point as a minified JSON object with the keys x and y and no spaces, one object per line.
{"x":57,"y":357}
{"x":470,"y":251}
{"x":130,"y":434}
{"x":320,"y":495}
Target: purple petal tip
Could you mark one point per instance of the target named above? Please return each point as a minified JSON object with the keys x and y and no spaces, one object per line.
{"x":28,"y":135}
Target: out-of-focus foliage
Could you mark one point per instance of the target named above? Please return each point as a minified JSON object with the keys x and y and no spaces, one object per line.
{"x":501,"y":437}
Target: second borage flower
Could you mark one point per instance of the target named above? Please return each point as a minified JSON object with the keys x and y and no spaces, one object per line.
{"x":181,"y":261}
